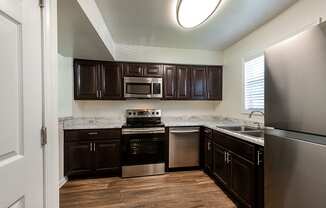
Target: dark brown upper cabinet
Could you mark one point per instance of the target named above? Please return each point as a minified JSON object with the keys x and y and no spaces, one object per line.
{"x":198,"y":83}
{"x":97,"y":80}
{"x":170,"y":82}
{"x":101,"y":80}
{"x":153,"y":70}
{"x":134,"y":69}
{"x":111,"y":81}
{"x":86,"y":78}
{"x":214,"y":82}
{"x":183,"y":83}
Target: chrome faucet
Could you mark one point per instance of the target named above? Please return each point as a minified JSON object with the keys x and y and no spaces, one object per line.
{"x":252,"y":113}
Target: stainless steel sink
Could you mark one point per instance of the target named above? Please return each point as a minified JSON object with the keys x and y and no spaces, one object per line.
{"x":238,"y":128}
{"x":258,"y":134}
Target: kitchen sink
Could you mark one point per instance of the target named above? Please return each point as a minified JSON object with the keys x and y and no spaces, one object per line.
{"x":238,"y":128}
{"x":259,"y":134}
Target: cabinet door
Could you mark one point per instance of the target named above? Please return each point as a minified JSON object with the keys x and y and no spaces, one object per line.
{"x":107,"y":156}
{"x":86,"y":75}
{"x":243,"y":180}
{"x":214,"y":83}
{"x":260,"y":178}
{"x":153,"y":70}
{"x":198,"y":83}
{"x":183,"y":83}
{"x":78,"y":158}
{"x":208,"y":155}
{"x":111,"y":81}
{"x":220,"y":166}
{"x":133,"y":69}
{"x":170,"y":82}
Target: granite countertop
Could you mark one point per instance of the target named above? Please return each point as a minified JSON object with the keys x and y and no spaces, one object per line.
{"x":92,"y":123}
{"x":207,"y":121}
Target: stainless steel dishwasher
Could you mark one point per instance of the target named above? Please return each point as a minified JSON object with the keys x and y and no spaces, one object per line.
{"x":184,"y":147}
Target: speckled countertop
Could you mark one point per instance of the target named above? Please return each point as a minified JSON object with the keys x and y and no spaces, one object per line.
{"x":213,"y":122}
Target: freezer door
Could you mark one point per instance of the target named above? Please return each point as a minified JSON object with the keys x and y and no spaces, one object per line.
{"x":295,"y":171}
{"x":295,"y":91}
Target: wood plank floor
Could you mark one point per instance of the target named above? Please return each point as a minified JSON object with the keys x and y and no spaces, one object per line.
{"x":192,"y":189}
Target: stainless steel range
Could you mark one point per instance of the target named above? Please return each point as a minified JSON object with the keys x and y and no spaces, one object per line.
{"x":143,"y":144}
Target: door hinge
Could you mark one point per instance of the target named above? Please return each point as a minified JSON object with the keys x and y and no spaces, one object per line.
{"x":44,"y":136}
{"x":42,"y":3}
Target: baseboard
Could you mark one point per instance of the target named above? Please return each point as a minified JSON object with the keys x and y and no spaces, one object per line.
{"x":63,"y":181}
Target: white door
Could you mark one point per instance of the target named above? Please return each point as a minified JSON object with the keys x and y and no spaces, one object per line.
{"x":21,"y":169}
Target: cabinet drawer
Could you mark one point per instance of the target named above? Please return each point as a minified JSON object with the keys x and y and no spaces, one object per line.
{"x":207,"y":132}
{"x":91,"y":134}
{"x":153,"y":70}
{"x":243,"y":149}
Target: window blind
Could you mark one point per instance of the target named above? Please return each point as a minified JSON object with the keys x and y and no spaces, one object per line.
{"x":254,"y":84}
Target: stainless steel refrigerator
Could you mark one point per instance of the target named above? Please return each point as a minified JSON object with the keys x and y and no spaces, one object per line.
{"x":295,"y":106}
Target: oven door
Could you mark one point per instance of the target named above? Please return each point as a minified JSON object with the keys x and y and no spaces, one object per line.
{"x":141,"y":149}
{"x":142,"y":87}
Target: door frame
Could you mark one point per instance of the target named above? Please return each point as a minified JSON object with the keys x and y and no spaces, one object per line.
{"x":50,"y":67}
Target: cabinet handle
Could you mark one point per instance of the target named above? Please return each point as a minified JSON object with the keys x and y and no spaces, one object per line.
{"x":100,"y":93}
{"x":209,"y":145}
{"x":258,"y":158}
{"x":91,"y":146}
{"x":94,"y":147}
{"x":228,"y":160}
{"x":92,"y":133}
{"x":225,"y":157}
{"x":97,"y":94}
{"x":207,"y":131}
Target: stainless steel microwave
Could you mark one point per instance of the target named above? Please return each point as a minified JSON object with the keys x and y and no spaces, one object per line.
{"x":143,"y":87}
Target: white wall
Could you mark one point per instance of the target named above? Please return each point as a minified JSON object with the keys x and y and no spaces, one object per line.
{"x":65,"y":86}
{"x":117,"y":108}
{"x":292,"y":21}
{"x":167,"y":55}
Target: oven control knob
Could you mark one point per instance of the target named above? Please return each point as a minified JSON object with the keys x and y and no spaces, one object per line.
{"x":129,"y":113}
{"x":134,"y":114}
{"x":153,"y":113}
{"x":157,"y":113}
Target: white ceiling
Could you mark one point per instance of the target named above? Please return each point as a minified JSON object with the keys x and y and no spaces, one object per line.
{"x":76,"y":35}
{"x":153,"y":23}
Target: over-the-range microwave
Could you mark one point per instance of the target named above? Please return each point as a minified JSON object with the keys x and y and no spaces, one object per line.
{"x":143,"y":87}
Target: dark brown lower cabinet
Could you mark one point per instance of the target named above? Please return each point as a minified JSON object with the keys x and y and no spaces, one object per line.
{"x":234,"y":165}
{"x":221,"y":169}
{"x":78,"y":158}
{"x":260,"y":178}
{"x":92,"y":152}
{"x":242,"y":179}
{"x":208,"y":150}
{"x":107,"y":156}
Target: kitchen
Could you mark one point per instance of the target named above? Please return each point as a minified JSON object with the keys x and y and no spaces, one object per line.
{"x":154,"y":118}
{"x":181,"y":103}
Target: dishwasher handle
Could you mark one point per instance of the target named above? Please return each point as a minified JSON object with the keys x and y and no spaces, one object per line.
{"x":184,"y":131}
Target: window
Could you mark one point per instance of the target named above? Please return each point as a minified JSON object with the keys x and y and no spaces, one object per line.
{"x":254,"y":84}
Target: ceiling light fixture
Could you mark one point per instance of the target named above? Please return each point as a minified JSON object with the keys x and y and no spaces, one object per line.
{"x":191,"y":13}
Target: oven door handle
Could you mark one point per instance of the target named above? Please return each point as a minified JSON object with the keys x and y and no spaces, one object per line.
{"x":143,"y":131}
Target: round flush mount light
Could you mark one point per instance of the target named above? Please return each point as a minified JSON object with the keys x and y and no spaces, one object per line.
{"x":191,"y":13}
